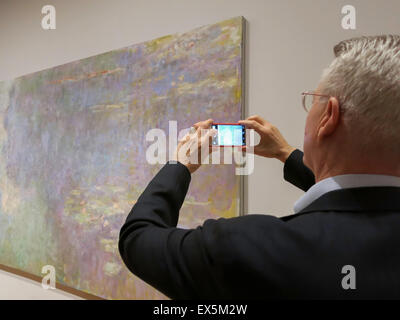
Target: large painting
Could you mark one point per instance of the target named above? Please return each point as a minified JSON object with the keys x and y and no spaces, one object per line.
{"x":73,"y":152}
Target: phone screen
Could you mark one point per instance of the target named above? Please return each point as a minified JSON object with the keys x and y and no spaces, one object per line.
{"x":229,"y":135}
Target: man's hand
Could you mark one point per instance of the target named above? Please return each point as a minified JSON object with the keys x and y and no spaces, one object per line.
{"x":272,"y":143}
{"x":196,"y":145}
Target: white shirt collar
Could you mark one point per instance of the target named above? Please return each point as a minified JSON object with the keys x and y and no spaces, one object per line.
{"x":342,"y":182}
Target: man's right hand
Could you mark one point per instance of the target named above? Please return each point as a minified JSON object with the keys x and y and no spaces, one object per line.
{"x":272,"y":143}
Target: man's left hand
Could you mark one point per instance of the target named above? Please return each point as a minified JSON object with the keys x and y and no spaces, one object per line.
{"x":196,"y":145}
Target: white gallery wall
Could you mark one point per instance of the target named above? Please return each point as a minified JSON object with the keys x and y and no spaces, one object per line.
{"x":288,"y":44}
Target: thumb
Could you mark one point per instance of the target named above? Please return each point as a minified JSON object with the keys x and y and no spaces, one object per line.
{"x":251,"y":149}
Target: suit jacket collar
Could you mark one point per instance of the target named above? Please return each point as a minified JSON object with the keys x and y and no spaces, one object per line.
{"x":344,"y":181}
{"x":358,"y":199}
{"x":364,"y":199}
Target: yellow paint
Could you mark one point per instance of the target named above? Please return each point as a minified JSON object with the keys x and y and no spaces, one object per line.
{"x":154,"y":45}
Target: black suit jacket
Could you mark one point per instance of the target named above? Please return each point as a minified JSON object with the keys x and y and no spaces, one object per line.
{"x":262,"y":256}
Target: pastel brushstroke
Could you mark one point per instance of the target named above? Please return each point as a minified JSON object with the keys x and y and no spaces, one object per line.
{"x":72,"y":161}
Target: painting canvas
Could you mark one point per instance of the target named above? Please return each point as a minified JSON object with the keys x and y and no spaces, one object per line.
{"x":73,"y":146}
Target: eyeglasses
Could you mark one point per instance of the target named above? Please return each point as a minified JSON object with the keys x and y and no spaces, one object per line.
{"x":308,"y":99}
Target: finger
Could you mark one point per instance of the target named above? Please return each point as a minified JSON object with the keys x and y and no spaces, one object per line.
{"x":204,"y":134}
{"x":192,"y":130}
{"x":253,"y":149}
{"x":206,"y":143}
{"x":251,"y":124}
{"x":197,"y":139}
{"x":197,"y":135}
{"x":185,"y":138}
{"x":206,"y":124}
{"x":203,"y":124}
{"x":255,"y":117}
{"x":210,"y":145}
{"x":195,"y":145}
{"x":258,"y":119}
{"x":246,"y":149}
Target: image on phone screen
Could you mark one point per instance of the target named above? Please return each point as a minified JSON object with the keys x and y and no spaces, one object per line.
{"x":229,"y":134}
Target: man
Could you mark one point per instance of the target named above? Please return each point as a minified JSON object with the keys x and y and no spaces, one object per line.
{"x":343,"y":240}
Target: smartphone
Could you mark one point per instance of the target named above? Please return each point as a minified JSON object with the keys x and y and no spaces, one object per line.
{"x":229,"y":134}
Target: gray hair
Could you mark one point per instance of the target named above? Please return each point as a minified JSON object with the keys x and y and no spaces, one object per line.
{"x":365,"y":77}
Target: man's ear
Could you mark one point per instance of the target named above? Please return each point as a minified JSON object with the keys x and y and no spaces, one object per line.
{"x":330,"y":118}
